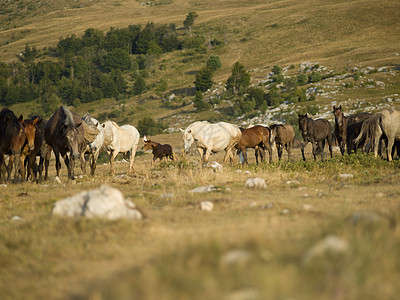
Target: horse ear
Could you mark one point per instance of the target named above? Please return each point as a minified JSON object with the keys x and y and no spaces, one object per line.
{"x":334,"y":107}
{"x":20,"y":119}
{"x":181,"y":130}
{"x":144,"y":139}
{"x":305,"y":115}
{"x":340,"y":107}
{"x":34,"y":122}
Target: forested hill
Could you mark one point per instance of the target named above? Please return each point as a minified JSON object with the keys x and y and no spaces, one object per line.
{"x":176,"y":60}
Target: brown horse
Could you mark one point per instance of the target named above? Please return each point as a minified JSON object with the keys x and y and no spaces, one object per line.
{"x":257,"y":137}
{"x":159,"y":151}
{"x":65,"y":132}
{"x":348,"y":128}
{"x":31,"y":147}
{"x":315,"y":132}
{"x":12,"y":139}
{"x":283,"y":134}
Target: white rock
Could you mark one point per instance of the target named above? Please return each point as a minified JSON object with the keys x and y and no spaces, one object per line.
{"x":105,"y":202}
{"x":308,"y":207}
{"x":17,"y":218}
{"x":346,"y":176}
{"x":204,"y":189}
{"x":3,"y":185}
{"x":57,"y":179}
{"x":331,"y":245}
{"x":206,"y":205}
{"x":256,"y":183}
{"x":236,"y":257}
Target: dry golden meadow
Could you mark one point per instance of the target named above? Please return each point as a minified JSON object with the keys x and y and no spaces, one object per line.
{"x":253,"y":244}
{"x":181,"y":251}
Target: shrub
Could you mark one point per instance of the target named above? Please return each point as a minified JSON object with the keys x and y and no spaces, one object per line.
{"x":148,"y":126}
{"x":214,"y":62}
{"x":199,"y":102}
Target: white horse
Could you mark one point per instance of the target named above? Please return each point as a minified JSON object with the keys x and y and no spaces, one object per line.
{"x":120,"y":139}
{"x":94,"y":148}
{"x":211,"y":138}
{"x":385,"y":123}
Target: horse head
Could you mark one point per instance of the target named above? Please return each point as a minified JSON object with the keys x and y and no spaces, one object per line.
{"x":30,"y":132}
{"x":71,"y":133}
{"x":188,"y":139}
{"x":337,"y":111}
{"x":303,"y":123}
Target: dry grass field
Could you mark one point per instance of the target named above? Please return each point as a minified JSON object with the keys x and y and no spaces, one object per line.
{"x":255,"y":243}
{"x":252,"y":245}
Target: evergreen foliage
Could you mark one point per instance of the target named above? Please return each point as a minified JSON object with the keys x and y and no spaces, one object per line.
{"x":199,"y":102}
{"x":239,"y":80}
{"x":203,"y":80}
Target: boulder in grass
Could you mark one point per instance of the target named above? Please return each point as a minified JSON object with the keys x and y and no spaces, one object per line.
{"x":256,"y":183}
{"x":206,"y":205}
{"x":105,"y":202}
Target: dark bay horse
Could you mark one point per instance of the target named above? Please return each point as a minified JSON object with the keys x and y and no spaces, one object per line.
{"x":348,"y":128}
{"x":159,"y":151}
{"x":12,"y":139}
{"x":65,"y":132}
{"x":315,"y":132}
{"x":257,"y":137}
{"x":283,"y":135}
{"x":31,"y":147}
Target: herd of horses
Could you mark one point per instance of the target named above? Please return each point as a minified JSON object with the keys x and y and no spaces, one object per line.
{"x":74,"y":137}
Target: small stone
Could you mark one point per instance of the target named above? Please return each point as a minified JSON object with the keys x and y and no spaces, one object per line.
{"x":57,"y":179}
{"x":331,"y":245}
{"x":285,"y":211}
{"x":204,"y":189}
{"x":17,"y":218}
{"x":346,"y":176}
{"x":308,"y":207}
{"x":267,"y":206}
{"x":236,"y":257}
{"x":206,"y":205}
{"x":256,"y":183}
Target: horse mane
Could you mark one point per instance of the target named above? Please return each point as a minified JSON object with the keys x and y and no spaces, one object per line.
{"x":90,"y":132}
{"x":273,"y":126}
{"x":69,"y":118}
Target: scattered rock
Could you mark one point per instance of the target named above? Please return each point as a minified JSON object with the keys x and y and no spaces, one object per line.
{"x":206,"y":205}
{"x":3,"y":185}
{"x":285,"y":211}
{"x":256,"y":183}
{"x":346,"y":176}
{"x":331,"y":245}
{"x":105,"y":202}
{"x":292,"y":182}
{"x":57,"y":179}
{"x":237,"y":257}
{"x":267,"y":206}
{"x":167,"y":196}
{"x":204,"y":189}
{"x":17,"y":218}
{"x":367,"y":218}
{"x":244,"y":294}
{"x":308,"y":207}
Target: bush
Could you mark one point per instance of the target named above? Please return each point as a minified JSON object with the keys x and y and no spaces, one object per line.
{"x":148,"y":126}
{"x":214,"y":62}
{"x":276,"y":70}
{"x":204,"y":79}
{"x":315,"y":77}
{"x":199,"y":103}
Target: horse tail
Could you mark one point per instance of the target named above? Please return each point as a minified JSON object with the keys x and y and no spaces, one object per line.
{"x":369,"y":128}
{"x":90,"y":132}
{"x":234,"y":140}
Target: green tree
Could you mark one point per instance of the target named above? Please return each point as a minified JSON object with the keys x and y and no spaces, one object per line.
{"x":276,"y":70}
{"x":189,"y":21}
{"x":139,"y":86}
{"x":203,"y":80}
{"x":214,"y":62}
{"x":258,"y":95}
{"x":199,"y":102}
{"x":239,"y":81}
{"x":148,"y":126}
{"x":117,"y":59}
{"x":274,"y":97}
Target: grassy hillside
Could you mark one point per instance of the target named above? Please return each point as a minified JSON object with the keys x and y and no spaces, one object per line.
{"x":338,"y":34}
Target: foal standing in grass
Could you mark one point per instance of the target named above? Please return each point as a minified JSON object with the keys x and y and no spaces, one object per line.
{"x":159,"y":151}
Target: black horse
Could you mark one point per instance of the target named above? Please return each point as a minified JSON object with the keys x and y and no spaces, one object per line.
{"x":315,"y":132}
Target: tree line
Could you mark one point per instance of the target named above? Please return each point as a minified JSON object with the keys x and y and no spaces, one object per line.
{"x":90,"y":67}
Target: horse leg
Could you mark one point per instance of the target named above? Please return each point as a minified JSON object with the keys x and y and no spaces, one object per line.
{"x":279,"y":149}
{"x":389,"y":148}
{"x":207,"y":155}
{"x":113,"y":154}
{"x":83,"y":162}
{"x":46,"y":164}
{"x":302,"y":146}
{"x":3,"y":169}
{"x":132,"y":160}
{"x":93,"y":160}
{"x":376,"y":144}
{"x":329,"y":146}
{"x":70,"y":164}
